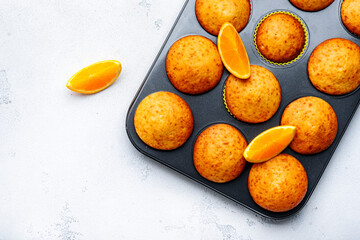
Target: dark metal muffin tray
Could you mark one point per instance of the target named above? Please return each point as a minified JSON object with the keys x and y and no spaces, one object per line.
{"x":208,"y":108}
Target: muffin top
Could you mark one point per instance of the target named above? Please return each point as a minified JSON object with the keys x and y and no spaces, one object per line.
{"x":280,"y":38}
{"x":163,"y":120}
{"x":193,"y":65}
{"x":311,"y":5}
{"x":350,"y":15}
{"x":279,"y":184}
{"x":255,"y":99}
{"x":316,"y":124}
{"x":218,"y":153}
{"x":212,"y":14}
{"x":334,"y":66}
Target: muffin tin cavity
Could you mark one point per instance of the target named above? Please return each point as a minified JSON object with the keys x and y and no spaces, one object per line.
{"x":208,"y":108}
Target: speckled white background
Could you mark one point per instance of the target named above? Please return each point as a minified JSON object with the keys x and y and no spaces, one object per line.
{"x":67,"y":168}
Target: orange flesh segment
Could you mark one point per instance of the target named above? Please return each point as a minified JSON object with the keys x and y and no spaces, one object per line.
{"x":232,"y":52}
{"x":269,"y":144}
{"x":95,"y":77}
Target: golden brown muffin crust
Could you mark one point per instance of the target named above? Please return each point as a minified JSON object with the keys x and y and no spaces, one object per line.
{"x":316,"y":124}
{"x":212,"y":14}
{"x":255,"y":99}
{"x":163,"y":120}
{"x":218,"y":153}
{"x":311,"y":5}
{"x":350,"y":15}
{"x":334,"y":66}
{"x":280,"y":38}
{"x":193,"y":65}
{"x":278,"y":185}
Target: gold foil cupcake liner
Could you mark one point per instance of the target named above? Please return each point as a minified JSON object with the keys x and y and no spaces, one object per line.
{"x":225,"y":103}
{"x":303,"y":27}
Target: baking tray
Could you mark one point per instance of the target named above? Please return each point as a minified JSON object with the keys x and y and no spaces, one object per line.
{"x":208,"y":108}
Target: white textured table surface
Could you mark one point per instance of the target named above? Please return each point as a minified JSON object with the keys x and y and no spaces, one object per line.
{"x":67,"y":168}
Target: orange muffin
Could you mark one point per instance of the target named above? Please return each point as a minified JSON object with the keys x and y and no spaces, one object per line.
{"x":350,"y":15}
{"x":334,"y":66}
{"x":316,"y":124}
{"x":212,"y":14}
{"x":193,"y":65}
{"x":163,"y":120}
{"x":255,"y":99}
{"x":280,"y":38}
{"x":311,"y":5}
{"x":278,"y":185}
{"x":218,"y":153}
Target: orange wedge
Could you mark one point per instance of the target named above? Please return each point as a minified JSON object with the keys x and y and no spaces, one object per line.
{"x":232,"y":52}
{"x":269,"y":143}
{"x":95,"y":77}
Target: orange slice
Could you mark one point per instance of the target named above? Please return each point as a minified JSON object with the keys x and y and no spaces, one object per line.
{"x":232,"y":52}
{"x":95,"y":77}
{"x":269,"y":143}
